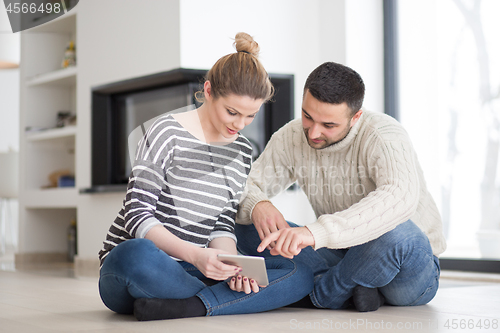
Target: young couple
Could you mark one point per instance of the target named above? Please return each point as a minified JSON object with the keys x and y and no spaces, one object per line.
{"x":159,"y":259}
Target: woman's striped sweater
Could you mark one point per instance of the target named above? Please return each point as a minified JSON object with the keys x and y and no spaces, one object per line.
{"x":190,"y":187}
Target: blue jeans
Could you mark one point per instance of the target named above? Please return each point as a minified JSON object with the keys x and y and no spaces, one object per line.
{"x":400,"y":263}
{"x":136,"y":268}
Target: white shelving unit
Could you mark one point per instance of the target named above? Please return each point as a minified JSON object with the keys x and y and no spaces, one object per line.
{"x":62,"y":78}
{"x":55,"y":133}
{"x":46,"y":89}
{"x":51,"y":198}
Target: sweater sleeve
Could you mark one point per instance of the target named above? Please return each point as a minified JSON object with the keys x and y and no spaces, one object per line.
{"x":392,"y":167}
{"x":146,"y":181}
{"x":270,"y":175}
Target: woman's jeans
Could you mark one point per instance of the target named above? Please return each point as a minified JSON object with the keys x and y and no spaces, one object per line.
{"x":136,"y":268}
{"x":400,"y":263}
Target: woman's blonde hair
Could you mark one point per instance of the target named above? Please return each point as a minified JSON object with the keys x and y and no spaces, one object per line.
{"x":240,"y":73}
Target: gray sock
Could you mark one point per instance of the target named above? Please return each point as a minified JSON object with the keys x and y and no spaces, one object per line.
{"x":367,"y":299}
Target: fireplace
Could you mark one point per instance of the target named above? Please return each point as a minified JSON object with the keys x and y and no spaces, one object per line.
{"x":122,"y":111}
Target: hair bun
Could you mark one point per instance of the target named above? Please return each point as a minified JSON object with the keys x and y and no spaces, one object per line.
{"x":245,"y":43}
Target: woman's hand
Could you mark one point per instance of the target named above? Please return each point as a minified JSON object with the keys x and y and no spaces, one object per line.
{"x":205,"y":259}
{"x":242,"y":283}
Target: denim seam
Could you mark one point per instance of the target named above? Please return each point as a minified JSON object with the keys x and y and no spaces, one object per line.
{"x":429,"y":288}
{"x":421,"y":296}
{"x":121,"y":277}
{"x":206,"y":303}
{"x":315,"y":301}
{"x":211,"y":309}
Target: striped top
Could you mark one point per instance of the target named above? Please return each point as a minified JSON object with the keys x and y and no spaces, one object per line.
{"x":190,"y":187}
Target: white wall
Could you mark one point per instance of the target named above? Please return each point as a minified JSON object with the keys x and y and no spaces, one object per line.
{"x":9,"y":116}
{"x":9,"y":110}
{"x":9,"y":140}
{"x":117,"y":40}
{"x":295,"y":36}
{"x":9,"y":86}
{"x":9,"y":42}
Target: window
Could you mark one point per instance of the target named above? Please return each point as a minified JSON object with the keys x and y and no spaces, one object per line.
{"x":449,"y":102}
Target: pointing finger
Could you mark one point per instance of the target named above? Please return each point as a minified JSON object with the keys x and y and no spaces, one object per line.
{"x":266,"y":241}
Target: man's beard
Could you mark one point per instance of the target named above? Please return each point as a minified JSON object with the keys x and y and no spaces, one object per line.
{"x":327,"y":142}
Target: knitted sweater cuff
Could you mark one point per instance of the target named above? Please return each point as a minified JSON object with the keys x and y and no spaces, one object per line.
{"x":247,"y":206}
{"x":320,"y":234}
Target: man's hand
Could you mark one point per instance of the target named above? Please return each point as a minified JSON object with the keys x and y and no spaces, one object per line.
{"x":267,"y":219}
{"x":289,"y":242}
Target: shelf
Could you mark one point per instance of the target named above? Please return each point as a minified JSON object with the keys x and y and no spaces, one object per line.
{"x":114,"y":188}
{"x":62,"y":77}
{"x":54,"y":133}
{"x":46,"y":90}
{"x":61,"y":197}
{"x":62,"y":24}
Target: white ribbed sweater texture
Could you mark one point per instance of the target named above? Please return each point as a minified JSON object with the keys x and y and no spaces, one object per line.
{"x":359,"y":188}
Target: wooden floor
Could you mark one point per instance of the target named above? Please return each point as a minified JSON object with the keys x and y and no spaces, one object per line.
{"x":51,"y":300}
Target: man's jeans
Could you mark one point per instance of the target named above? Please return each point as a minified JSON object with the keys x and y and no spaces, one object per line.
{"x":400,"y":263}
{"x":136,"y":268}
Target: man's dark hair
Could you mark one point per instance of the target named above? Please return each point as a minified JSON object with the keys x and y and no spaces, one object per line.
{"x":335,"y":84}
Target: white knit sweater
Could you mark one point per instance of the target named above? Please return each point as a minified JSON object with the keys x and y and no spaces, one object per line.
{"x":359,"y":188}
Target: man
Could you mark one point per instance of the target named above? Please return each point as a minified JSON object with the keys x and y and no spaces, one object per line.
{"x":378,"y":231}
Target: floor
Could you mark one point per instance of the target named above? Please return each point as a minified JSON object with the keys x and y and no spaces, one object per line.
{"x":50,"y":299}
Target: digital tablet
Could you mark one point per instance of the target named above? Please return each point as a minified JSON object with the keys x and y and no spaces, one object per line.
{"x":252,"y":267}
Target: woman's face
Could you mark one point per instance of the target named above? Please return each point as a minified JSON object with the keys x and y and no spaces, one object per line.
{"x":230,"y":114}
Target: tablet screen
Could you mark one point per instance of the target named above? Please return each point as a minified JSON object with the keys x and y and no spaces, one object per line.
{"x":252,"y":267}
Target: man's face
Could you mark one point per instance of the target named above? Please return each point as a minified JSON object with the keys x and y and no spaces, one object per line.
{"x":325,"y":124}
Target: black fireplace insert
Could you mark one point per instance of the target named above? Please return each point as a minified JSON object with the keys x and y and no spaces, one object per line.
{"x":122,"y":112}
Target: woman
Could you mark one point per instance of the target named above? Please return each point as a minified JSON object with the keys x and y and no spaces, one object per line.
{"x":159,"y":259}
